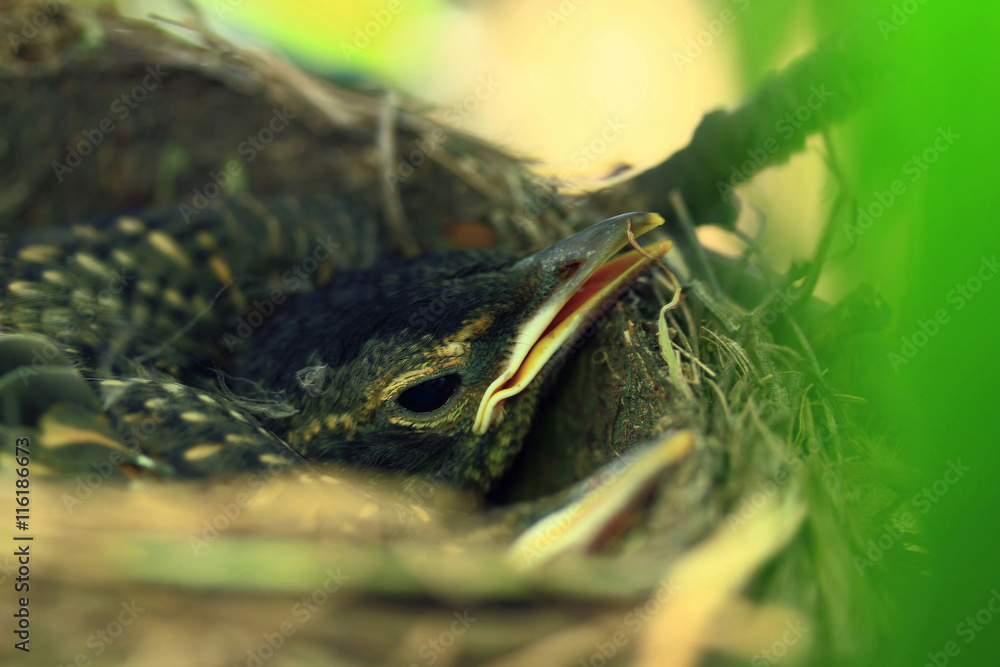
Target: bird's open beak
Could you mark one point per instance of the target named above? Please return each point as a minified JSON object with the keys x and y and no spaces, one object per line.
{"x":589,"y":282}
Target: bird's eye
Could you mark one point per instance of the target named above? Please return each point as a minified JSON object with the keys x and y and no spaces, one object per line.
{"x":431,"y":395}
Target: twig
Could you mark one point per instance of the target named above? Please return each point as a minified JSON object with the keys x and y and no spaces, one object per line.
{"x":695,"y":359}
{"x":394,"y":214}
{"x":822,"y":250}
{"x":851,"y":66}
{"x":691,"y":241}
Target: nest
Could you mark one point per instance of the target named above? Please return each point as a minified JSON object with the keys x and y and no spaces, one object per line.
{"x":738,"y":548}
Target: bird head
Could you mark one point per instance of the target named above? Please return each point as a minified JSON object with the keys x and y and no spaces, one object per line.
{"x":434,"y":365}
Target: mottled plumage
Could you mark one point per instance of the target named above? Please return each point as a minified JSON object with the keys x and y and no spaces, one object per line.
{"x":231,"y":342}
{"x":146,"y":307}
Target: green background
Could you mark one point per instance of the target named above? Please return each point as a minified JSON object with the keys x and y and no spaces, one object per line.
{"x":941,"y":405}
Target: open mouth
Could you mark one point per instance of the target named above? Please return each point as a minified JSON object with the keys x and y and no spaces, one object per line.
{"x":591,"y":282}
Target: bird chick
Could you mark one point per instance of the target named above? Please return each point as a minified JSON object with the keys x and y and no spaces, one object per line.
{"x":435,"y":366}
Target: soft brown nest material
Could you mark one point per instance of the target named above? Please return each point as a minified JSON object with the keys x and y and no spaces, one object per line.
{"x":742,"y":552}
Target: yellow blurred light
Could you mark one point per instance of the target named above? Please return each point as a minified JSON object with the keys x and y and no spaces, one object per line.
{"x":585,"y":87}
{"x":383,"y":38}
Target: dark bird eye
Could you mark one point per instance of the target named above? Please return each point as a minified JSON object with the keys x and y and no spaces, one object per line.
{"x":431,"y":395}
